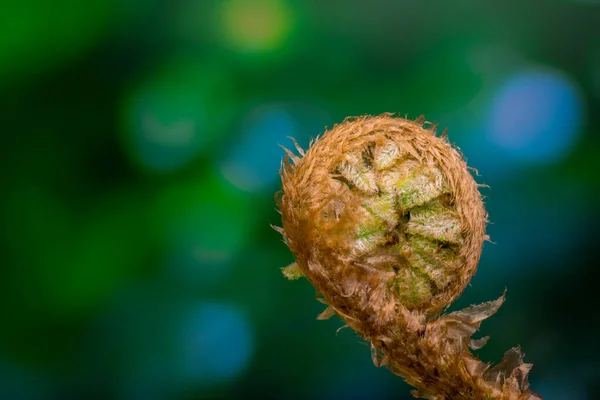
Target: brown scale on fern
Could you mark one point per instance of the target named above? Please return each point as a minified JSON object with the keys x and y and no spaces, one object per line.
{"x":386,"y":221}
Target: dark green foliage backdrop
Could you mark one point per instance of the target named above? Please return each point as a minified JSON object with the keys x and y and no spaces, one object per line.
{"x":139,"y":158}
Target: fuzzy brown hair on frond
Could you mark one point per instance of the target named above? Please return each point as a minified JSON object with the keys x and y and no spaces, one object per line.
{"x":386,"y":221}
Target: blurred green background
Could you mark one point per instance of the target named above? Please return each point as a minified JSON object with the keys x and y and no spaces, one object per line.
{"x":139,"y":158}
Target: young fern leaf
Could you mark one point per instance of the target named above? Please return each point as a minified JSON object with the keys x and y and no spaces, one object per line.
{"x":386,"y":221}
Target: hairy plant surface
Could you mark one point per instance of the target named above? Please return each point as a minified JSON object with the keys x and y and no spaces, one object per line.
{"x":386,"y":221}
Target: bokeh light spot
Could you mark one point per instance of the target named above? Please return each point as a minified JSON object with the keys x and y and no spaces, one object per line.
{"x":254,"y":161}
{"x":256,"y":26}
{"x":536,"y":116}
{"x":169,"y":343}
{"x":175,"y":114}
{"x":217,"y":343}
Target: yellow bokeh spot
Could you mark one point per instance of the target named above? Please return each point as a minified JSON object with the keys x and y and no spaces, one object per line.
{"x":256,"y":26}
